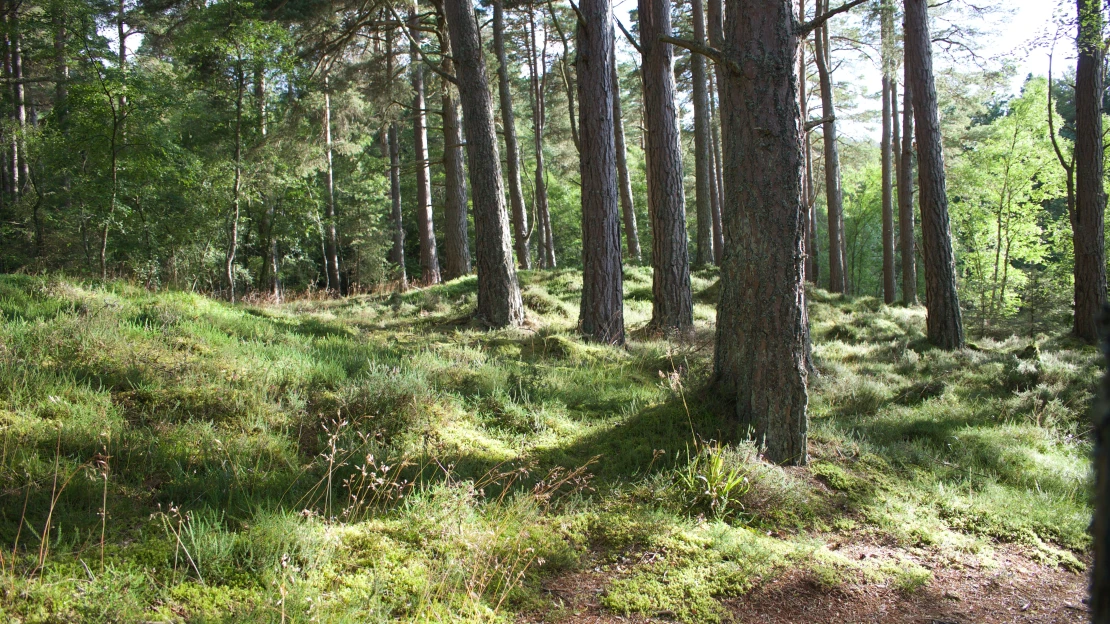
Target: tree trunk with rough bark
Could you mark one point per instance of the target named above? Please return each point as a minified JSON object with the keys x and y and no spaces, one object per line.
{"x":886,"y":20}
{"x":888,"y":193}
{"x":397,"y":252}
{"x":672,"y":302}
{"x":702,"y":143}
{"x":807,"y":169}
{"x":512,"y":149}
{"x":602,"y":308}
{"x":624,"y":181}
{"x":456,"y":245}
{"x":1088,"y":236}
{"x":905,"y":200}
{"x":944,"y":321}
{"x":499,"y":303}
{"x":762,"y":330}
{"x":834,"y":198}
{"x":425,"y":226}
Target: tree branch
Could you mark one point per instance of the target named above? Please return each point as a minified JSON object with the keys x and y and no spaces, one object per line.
{"x":815,"y":23}
{"x":629,"y":36}
{"x":713,"y":54}
{"x":810,"y":125}
{"x":416,"y":46}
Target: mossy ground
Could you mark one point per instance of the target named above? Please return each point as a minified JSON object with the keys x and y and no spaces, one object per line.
{"x":380,"y":457}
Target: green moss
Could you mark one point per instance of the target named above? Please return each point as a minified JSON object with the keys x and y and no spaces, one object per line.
{"x":383,"y":458}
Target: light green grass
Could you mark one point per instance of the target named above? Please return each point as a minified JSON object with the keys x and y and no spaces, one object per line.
{"x":382,"y":458}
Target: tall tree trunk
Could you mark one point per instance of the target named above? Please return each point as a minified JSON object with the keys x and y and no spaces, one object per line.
{"x":1090,"y":197}
{"x":944,"y":322}
{"x":538,"y":82}
{"x":813,"y":243}
{"x":20,"y":101}
{"x":456,"y":241}
{"x":905,"y":199}
{"x":397,"y":252}
{"x":233,"y":236}
{"x":13,"y":162}
{"x":887,"y":147}
{"x":429,"y":259}
{"x":834,"y":198}
{"x":762,"y":330}
{"x":717,"y":193}
{"x":702,"y":158}
{"x":331,"y":238}
{"x":624,"y":181}
{"x":499,"y":303}
{"x":672,"y":304}
{"x":807,"y":169}
{"x":602,"y":308}
{"x":512,"y":156}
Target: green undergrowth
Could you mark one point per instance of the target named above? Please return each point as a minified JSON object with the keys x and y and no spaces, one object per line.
{"x":169,"y":457}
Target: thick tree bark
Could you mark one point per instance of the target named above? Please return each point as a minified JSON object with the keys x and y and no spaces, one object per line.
{"x":905,"y":200}
{"x":624,"y":181}
{"x":425,"y":226}
{"x":602,"y":308}
{"x":1090,"y":196}
{"x":703,"y":175}
{"x":944,"y":322}
{"x":762,"y":332}
{"x":499,"y":303}
{"x":672,"y":305}
{"x":512,"y":150}
{"x":834,"y":198}
{"x":456,"y":243}
{"x":331,"y":236}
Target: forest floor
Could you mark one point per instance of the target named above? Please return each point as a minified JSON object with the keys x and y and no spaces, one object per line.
{"x":167,"y":457}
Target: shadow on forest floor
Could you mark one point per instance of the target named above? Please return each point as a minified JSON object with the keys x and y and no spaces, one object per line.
{"x":382,"y":457}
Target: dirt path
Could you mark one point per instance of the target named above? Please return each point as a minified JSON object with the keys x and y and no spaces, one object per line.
{"x":1007,"y":588}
